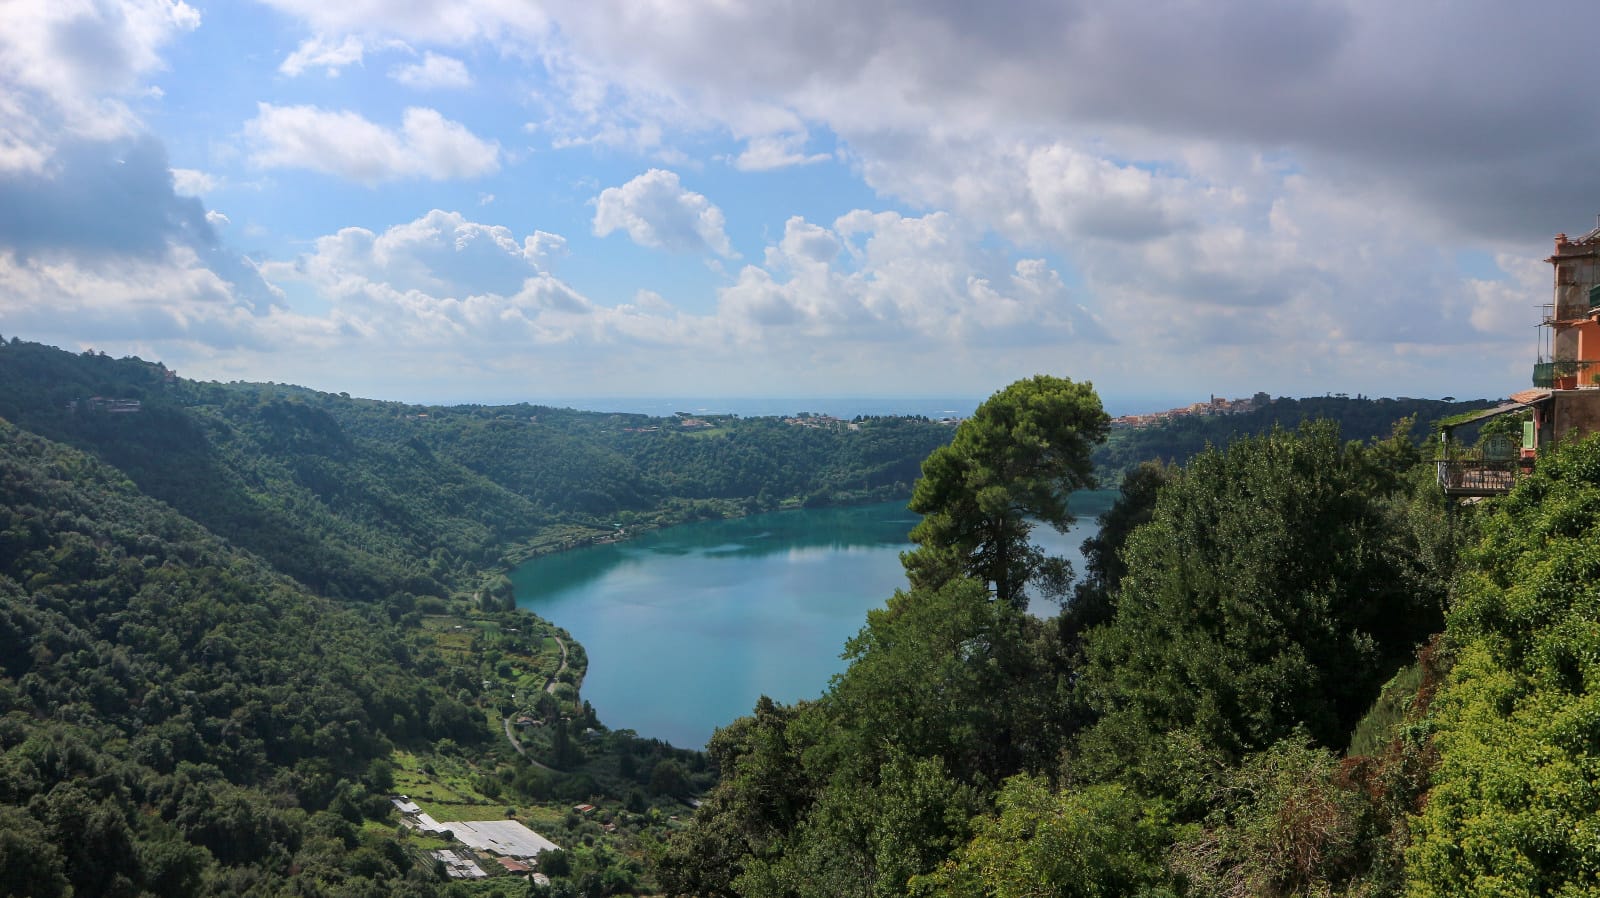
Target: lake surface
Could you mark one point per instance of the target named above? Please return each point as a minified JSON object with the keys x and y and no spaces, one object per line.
{"x":686,"y":627}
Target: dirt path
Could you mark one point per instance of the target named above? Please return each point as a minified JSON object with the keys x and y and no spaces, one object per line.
{"x":550,"y":684}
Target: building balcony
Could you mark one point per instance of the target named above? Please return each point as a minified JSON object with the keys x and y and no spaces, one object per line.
{"x":1567,"y":374}
{"x":1477,"y":476}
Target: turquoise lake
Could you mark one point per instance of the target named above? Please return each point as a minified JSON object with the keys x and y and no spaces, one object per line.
{"x":686,"y":627}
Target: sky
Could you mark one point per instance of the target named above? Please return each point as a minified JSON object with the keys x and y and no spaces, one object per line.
{"x":504,"y":200}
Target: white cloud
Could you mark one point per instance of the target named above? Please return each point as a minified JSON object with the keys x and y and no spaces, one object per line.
{"x":66,"y":67}
{"x":434,"y":71}
{"x":217,"y":219}
{"x":777,"y":151}
{"x":1351,"y":89}
{"x":449,"y":294}
{"x":460,"y":290}
{"x":543,"y":248}
{"x":193,"y":182}
{"x":656,"y":210}
{"x":322,"y":51}
{"x":1502,"y":306}
{"x":1224,"y":185}
{"x":883,"y":278}
{"x":351,"y":146}
{"x":441,"y":253}
{"x":173,"y":300}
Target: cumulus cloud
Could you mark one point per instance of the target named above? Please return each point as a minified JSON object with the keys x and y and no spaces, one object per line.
{"x":1224,"y":184}
{"x":323,"y":52}
{"x":173,"y":299}
{"x":112,"y":202}
{"x":441,"y":253}
{"x":434,"y":71}
{"x":656,"y":210}
{"x":66,"y":67}
{"x":883,"y":277}
{"x":1344,"y":79}
{"x":448,"y":285}
{"x":348,"y":145}
{"x":112,"y":198}
{"x":104,"y":250}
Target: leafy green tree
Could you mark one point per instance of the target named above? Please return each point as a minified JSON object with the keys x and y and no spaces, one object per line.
{"x":1102,"y":553}
{"x":1177,"y":440}
{"x":764,"y":793}
{"x":947,"y":673}
{"x":498,"y":594}
{"x":875,"y":783}
{"x":1095,"y":842}
{"x":30,"y":864}
{"x":668,"y":778}
{"x":1014,"y":462}
{"x":1271,"y":589}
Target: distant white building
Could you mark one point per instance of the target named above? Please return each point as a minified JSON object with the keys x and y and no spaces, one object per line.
{"x":503,"y":837}
{"x":507,"y":838}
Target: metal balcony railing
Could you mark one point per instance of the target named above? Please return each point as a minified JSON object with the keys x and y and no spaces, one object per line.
{"x":1567,"y":374}
{"x":1477,"y":476}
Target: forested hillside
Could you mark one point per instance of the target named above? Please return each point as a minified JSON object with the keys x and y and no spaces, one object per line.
{"x":179,"y":719}
{"x":1179,"y":439}
{"x":376,"y":500}
{"x":234,"y":618}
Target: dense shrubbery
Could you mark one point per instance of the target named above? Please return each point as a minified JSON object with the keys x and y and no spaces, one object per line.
{"x":1516,"y":808}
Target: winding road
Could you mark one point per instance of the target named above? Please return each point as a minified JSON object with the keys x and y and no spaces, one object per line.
{"x":550,"y":684}
{"x":550,"y":687}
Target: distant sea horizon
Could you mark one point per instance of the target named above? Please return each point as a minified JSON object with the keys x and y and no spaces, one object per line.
{"x":845,"y":407}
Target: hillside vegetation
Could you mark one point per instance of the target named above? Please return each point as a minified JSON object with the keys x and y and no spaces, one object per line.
{"x":373,"y":500}
{"x":235,"y":620}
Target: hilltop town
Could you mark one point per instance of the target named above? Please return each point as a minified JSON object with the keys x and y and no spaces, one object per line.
{"x":1216,"y":405}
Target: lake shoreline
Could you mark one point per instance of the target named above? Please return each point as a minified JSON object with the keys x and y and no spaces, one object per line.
{"x":686,"y":626}
{"x":519,"y":555}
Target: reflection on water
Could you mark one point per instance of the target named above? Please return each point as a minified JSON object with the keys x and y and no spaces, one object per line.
{"x":686,"y":627}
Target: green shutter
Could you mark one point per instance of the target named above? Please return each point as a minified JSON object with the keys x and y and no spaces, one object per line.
{"x":1594,"y":296}
{"x":1527,"y":435}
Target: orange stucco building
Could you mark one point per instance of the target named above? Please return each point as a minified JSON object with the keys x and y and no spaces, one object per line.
{"x":1574,"y":351}
{"x":1565,"y":399}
